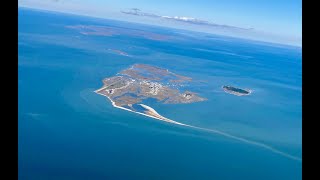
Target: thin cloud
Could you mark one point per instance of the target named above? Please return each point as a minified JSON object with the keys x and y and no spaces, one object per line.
{"x":190,"y":20}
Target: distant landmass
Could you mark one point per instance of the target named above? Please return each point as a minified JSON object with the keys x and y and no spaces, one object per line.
{"x":119,"y":52}
{"x":110,"y":31}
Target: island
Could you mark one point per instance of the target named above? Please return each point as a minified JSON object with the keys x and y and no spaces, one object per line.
{"x":130,"y":87}
{"x":236,"y":91}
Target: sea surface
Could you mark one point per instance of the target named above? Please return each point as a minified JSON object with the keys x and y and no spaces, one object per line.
{"x":66,"y":131}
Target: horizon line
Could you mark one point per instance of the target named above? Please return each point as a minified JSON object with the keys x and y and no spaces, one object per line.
{"x":121,"y":20}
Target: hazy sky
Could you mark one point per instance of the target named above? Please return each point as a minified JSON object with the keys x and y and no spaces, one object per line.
{"x":277,"y":21}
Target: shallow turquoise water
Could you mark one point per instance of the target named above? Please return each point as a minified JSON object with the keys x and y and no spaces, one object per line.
{"x":68,"y":132}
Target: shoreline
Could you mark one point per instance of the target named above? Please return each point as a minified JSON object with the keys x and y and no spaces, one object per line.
{"x":144,"y":106}
{"x":164,"y":118}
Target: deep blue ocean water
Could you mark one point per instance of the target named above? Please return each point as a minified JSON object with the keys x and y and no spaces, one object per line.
{"x":66,"y":131}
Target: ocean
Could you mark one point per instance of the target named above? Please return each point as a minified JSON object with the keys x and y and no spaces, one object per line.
{"x":66,"y":131}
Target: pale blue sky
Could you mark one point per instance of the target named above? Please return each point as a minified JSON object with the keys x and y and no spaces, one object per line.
{"x":277,"y":21}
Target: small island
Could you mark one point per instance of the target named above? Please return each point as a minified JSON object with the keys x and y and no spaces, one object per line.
{"x":236,"y":91}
